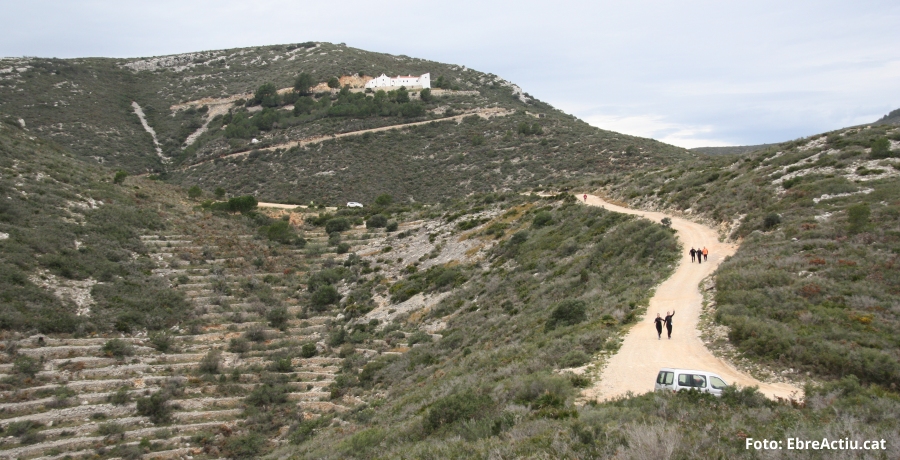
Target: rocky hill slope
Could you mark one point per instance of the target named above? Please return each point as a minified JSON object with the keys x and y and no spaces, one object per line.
{"x":216,"y":112}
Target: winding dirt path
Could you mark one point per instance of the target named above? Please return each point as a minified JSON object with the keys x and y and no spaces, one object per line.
{"x":635,"y":366}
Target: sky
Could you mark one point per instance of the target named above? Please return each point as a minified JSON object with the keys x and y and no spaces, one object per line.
{"x":690,"y":73}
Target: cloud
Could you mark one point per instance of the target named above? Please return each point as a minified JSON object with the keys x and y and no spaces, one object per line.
{"x":657,"y":127}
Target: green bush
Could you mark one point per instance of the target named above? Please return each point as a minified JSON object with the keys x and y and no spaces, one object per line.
{"x":308,"y":350}
{"x":278,"y":317}
{"x":119,"y":177}
{"x":881,"y":148}
{"x":117,"y":348}
{"x":377,"y":221}
{"x":26,"y":366}
{"x":858,"y":218}
{"x":156,"y":407}
{"x":267,"y":395}
{"x":542,"y":219}
{"x":391,"y":226}
{"x":245,"y":446}
{"x":567,"y":313}
{"x":325,"y":295}
{"x":456,"y":408}
{"x":338,"y":224}
{"x":211,"y":363}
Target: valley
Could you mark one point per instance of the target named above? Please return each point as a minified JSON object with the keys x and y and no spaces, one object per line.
{"x":181,"y":276}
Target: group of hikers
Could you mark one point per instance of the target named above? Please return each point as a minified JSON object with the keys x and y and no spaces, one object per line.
{"x":667,"y":321}
{"x":699,"y":254}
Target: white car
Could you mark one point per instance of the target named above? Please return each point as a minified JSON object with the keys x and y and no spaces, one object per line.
{"x":353,"y":204}
{"x":686,"y":379}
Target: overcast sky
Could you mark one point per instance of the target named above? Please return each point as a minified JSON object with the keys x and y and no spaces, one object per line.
{"x":691,"y":73}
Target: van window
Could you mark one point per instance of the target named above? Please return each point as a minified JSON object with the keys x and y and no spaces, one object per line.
{"x":692,"y":380}
{"x":717,"y":383}
{"x":699,"y":381}
{"x":665,"y":378}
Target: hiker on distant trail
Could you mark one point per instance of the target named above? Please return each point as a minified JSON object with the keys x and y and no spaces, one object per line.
{"x":693,"y":252}
{"x":668,"y":322}
{"x":659,"y":323}
{"x":585,"y":198}
{"x":699,"y":256}
{"x":705,"y":253}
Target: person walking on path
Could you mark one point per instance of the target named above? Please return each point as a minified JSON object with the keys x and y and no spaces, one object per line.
{"x":705,"y":252}
{"x":585,"y":197}
{"x":659,"y":323}
{"x":699,"y":256}
{"x":693,"y":252}
{"x":668,"y":322}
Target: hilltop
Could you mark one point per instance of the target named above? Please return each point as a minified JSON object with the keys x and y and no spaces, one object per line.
{"x":211,"y":116}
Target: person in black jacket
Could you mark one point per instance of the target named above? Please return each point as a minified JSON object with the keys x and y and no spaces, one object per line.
{"x":659,"y":323}
{"x":668,"y":322}
{"x":693,"y":252}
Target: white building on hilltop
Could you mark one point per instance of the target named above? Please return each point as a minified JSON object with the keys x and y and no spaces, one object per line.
{"x":422,"y":81}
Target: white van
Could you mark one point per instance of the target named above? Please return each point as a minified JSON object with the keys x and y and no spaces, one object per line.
{"x":686,"y":379}
{"x":354,"y":204}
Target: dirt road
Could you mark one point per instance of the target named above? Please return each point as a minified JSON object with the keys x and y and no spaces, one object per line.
{"x":635,"y":366}
{"x":483,"y":113}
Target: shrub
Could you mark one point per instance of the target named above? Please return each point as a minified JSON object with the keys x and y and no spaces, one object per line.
{"x":27,"y":366}
{"x":120,"y":397}
{"x":162,"y":341}
{"x":155,"y":407}
{"x":211,"y":363}
{"x":881,"y":148}
{"x":119,"y":177}
{"x":308,"y":350}
{"x":377,"y":221}
{"x":278,"y":317}
{"x":194,"y":192}
{"x":567,"y":313}
{"x":334,"y":83}
{"x":338,"y":224}
{"x":247,"y":446}
{"x":325,"y":295}
{"x":771,"y":221}
{"x":542,"y":218}
{"x":343,"y":248}
{"x":419,"y":337}
{"x":391,"y":226}
{"x":267,"y":395}
{"x":456,"y":407}
{"x":117,"y":348}
{"x":281,"y":365}
{"x":255,"y":334}
{"x":384,"y":199}
{"x":238,"y":345}
{"x":858,"y":218}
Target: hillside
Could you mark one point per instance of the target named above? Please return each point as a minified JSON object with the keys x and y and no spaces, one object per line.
{"x":892,"y":118}
{"x":207,"y":108}
{"x":813,"y":287}
{"x":151,"y":307}
{"x":731,"y":150}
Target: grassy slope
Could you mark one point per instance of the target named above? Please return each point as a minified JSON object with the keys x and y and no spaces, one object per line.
{"x":808,"y":289}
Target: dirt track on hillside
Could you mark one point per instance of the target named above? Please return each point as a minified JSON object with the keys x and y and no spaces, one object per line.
{"x":635,"y":366}
{"x":483,"y":113}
